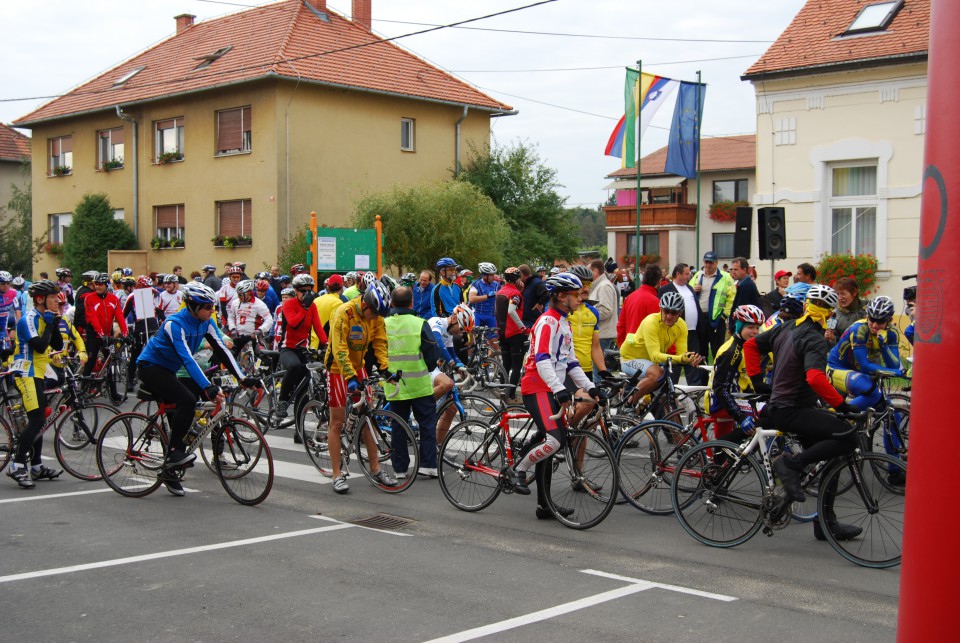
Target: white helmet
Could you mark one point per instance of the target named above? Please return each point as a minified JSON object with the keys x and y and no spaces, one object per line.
{"x":823,"y":293}
{"x":487,"y":268}
{"x":302,"y":281}
{"x":246,"y":286}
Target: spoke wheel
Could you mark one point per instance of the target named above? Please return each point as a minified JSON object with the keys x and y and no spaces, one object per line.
{"x":242,"y":460}
{"x":7,"y":443}
{"x":647,"y":459}
{"x":130,"y":453}
{"x":580,"y":488}
{"x":471,"y":459}
{"x":314,"y":423}
{"x":75,"y":439}
{"x":385,"y":438}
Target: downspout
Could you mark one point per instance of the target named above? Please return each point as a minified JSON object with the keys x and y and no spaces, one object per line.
{"x":136,"y":174}
{"x":456,"y":163}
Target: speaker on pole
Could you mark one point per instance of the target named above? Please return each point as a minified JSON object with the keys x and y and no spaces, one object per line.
{"x":772,"y":233}
{"x":742,"y":232}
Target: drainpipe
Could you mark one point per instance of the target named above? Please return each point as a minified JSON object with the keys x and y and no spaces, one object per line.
{"x":136,"y":172}
{"x":456,"y":164}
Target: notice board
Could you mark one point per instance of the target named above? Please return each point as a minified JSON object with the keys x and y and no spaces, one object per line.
{"x":345,"y":249}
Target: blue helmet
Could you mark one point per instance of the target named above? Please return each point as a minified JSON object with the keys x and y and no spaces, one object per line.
{"x":377,"y":297}
{"x":880,"y":308}
{"x":446,"y":262}
{"x":564,"y":282}
{"x":198,"y":294}
{"x":792,"y":303}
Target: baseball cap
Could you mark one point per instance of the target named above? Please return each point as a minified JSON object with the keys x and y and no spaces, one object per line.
{"x":783,"y":273}
{"x":710,"y":256}
{"x":334,"y":280}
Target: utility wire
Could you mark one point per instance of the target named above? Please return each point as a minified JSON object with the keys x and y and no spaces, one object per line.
{"x":674,"y":62}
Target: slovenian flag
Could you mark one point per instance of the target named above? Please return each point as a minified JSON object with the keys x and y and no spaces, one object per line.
{"x":649,"y":92}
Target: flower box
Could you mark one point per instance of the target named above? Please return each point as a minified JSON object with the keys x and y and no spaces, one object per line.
{"x":169,"y":157}
{"x":725,"y":211}
{"x":62,"y":170}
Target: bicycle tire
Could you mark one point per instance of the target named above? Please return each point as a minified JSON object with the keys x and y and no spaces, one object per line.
{"x":145,"y":407}
{"x":585,"y":486}
{"x":315,"y":427}
{"x":75,"y":439}
{"x":805,"y":511}
{"x":130,"y":452}
{"x":7,"y":443}
{"x":647,"y":458}
{"x":725,"y":508}
{"x":469,"y":448}
{"x":383,"y":429}
{"x":118,"y":374}
{"x":475,"y":407}
{"x":880,"y":543}
{"x":491,"y":372}
{"x":242,"y":461}
{"x":892,"y":429}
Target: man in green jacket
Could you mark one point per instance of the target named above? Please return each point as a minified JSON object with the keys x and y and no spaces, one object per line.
{"x":714,"y":290}
{"x":412,"y":349}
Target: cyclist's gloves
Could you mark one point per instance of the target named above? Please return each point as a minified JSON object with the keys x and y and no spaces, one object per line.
{"x":597,"y":394}
{"x":392,"y":377}
{"x":353,"y":385}
{"x":604,"y":375}
{"x":846,"y":407}
{"x":49,"y":317}
{"x":563,"y":397}
{"x":459,"y":366}
{"x":82,"y":356}
{"x":307,"y":300}
{"x":747,"y":425}
{"x":211,"y":392}
{"x":251,"y":382}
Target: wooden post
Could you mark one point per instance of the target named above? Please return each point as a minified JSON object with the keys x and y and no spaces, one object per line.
{"x":378,"y":225}
{"x":312,"y":249}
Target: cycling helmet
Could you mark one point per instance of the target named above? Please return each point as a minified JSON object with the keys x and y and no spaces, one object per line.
{"x":284,"y":278}
{"x":61,"y":298}
{"x":116,"y":276}
{"x":303,"y":280}
{"x":562,"y":283}
{"x":63,"y":272}
{"x":465,"y":317}
{"x":583,"y":273}
{"x":377,"y":297}
{"x":90,"y":275}
{"x":799,"y":289}
{"x":5,"y":277}
{"x":297,"y":268}
{"x":408,"y":279}
{"x":245,"y":287}
{"x":823,"y":293}
{"x":792,"y":303}
{"x":541,"y":268}
{"x":446,"y":262}
{"x":367,"y":279}
{"x":288,"y":292}
{"x":43,"y":288}
{"x":466,"y":273}
{"x":101,"y":278}
{"x":209,"y":268}
{"x":239,"y":264}
{"x":144,"y":281}
{"x":671,"y":301}
{"x":127,"y":272}
{"x":748,"y":314}
{"x":511,"y":274}
{"x":880,"y":309}
{"x":128,"y":281}
{"x":262,"y":284}
{"x":234,"y":270}
{"x":198,"y":295}
{"x":170,"y":279}
{"x":389,"y":282}
{"x":555,"y":270}
{"x":18,"y":281}
{"x":487,"y":268}
{"x":262,"y":275}
{"x":351,"y":275}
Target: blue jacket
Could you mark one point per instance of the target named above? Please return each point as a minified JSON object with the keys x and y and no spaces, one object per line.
{"x":422,"y":301}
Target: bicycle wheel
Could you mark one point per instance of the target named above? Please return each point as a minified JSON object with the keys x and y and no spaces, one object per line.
{"x":314,"y":424}
{"x":580,"y":488}
{"x":890,"y":434}
{"x":242,"y":460}
{"x":145,"y":407}
{"x":647,"y":458}
{"x":471,"y":459}
{"x":475,"y":407}
{"x":130,"y":453}
{"x":75,"y":439}
{"x":865,"y":498}
{"x":118,"y":376}
{"x":717,"y":503}
{"x":394,"y":457}
{"x":7,"y":443}
{"x":491,"y":371}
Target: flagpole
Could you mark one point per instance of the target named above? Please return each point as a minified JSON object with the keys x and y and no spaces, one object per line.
{"x":697,"y":228}
{"x":636,"y":240}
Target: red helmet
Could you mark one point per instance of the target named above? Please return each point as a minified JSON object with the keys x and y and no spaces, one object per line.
{"x":61,"y":298}
{"x":144,"y":281}
{"x":262,"y":284}
{"x":234,"y":270}
{"x":748,"y":314}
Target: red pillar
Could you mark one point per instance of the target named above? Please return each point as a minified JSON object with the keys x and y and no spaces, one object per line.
{"x":931,"y":558}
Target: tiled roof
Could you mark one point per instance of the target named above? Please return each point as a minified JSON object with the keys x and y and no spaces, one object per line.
{"x":812,"y":40}
{"x":717,"y":153}
{"x":267,"y":41}
{"x":14,"y":146}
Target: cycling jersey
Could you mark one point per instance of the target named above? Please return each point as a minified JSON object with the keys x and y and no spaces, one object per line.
{"x":9,"y":303}
{"x":509,"y":324}
{"x":67,"y":290}
{"x":439,"y":326}
{"x":297,"y":323}
{"x":860,"y":350}
{"x":226,"y":294}
{"x":169,"y":303}
{"x":551,"y":356}
{"x":244,"y":317}
{"x":350,"y":337}
{"x":101,"y":312}
{"x":584,"y":324}
{"x":34,"y":340}
{"x":446,"y":297}
{"x":729,"y":376}
{"x":653,"y":339}
{"x":487,"y":306}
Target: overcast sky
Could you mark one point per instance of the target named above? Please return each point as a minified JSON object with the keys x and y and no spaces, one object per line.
{"x":50,"y":46}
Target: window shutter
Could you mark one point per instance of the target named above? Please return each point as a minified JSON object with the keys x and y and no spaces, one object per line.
{"x":169,"y":216}
{"x":66,"y":144}
{"x":245,"y":125}
{"x":231,"y":218}
{"x":230,"y":135}
{"x":54,"y":147}
{"x":116,"y":136}
{"x":165,"y":124}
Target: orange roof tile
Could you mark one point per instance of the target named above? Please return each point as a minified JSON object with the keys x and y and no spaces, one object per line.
{"x":717,"y":153}
{"x":812,"y":41}
{"x":286,"y":39}
{"x":14,"y":146}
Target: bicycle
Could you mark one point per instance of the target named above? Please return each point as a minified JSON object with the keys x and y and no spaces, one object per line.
{"x":580,"y":480}
{"x":132,"y":447}
{"x":368,"y":432}
{"x":723,"y":496}
{"x":109,"y":376}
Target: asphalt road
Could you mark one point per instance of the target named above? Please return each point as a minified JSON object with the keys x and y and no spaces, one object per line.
{"x":81,"y":563}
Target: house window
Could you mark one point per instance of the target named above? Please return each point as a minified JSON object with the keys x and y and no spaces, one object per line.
{"x":234,"y":218}
{"x":118,"y":214}
{"x":59,"y":224}
{"x":406,"y":134}
{"x":170,"y":221}
{"x":853,"y":209}
{"x":920,"y":119}
{"x":735,"y":190}
{"x":61,"y":155}
{"x":209,"y":59}
{"x":127,"y":76}
{"x":110,"y":148}
{"x":649,"y":244}
{"x":169,"y":140}
{"x":723,"y":244}
{"x":233,"y":131}
{"x":874,"y":17}
{"x":785,"y":131}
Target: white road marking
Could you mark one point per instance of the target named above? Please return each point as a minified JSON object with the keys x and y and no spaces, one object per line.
{"x":56,"y":495}
{"x":380,"y":531}
{"x":283,"y":443}
{"x":294,"y":471}
{"x":634,"y":586}
{"x":168,"y":554}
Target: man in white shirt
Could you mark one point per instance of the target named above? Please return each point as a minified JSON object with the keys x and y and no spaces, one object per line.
{"x":680,"y":279}
{"x":608,"y":304}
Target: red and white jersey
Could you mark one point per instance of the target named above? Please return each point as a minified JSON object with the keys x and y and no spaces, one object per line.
{"x":278,"y":328}
{"x":227,"y":293}
{"x":169,"y":302}
{"x":250,"y":316}
{"x":551,"y":356}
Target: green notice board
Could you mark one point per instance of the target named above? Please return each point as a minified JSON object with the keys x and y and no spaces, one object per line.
{"x":344,"y":249}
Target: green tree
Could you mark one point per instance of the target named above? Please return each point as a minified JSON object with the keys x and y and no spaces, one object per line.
{"x":432,"y":220}
{"x":525,"y":190}
{"x":93,"y":232}
{"x":592,"y":225}
{"x":293,"y":252}
{"x":18,"y":250}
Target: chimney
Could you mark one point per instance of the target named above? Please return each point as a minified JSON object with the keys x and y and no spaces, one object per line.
{"x":184,"y":22}
{"x":361,"y":14}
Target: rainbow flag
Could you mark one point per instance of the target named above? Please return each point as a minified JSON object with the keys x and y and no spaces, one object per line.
{"x":649,"y":92}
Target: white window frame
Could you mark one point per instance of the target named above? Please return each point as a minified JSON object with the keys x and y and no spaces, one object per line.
{"x":112,"y":153}
{"x":64,"y":159}
{"x":58,"y":226}
{"x":165,"y":233}
{"x":727,"y":236}
{"x":119,"y":214}
{"x":159,"y":137}
{"x":408,"y":131}
{"x":246,"y":137}
{"x":852,"y":203}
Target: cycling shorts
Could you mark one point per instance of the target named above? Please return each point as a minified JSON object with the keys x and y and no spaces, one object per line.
{"x":31,"y":390}
{"x":486,"y":320}
{"x":635,"y":366}
{"x":337,"y":388}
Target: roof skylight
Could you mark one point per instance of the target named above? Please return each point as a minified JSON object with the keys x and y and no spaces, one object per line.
{"x":209,"y":59}
{"x":874,"y":17}
{"x":130,"y":74}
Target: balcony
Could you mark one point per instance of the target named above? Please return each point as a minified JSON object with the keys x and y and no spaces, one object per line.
{"x":657,"y":214}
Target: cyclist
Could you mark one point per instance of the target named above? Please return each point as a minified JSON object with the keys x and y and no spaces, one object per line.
{"x":446,"y":294}
{"x":799,"y":383}
{"x":482,"y":295}
{"x":464,"y":280}
{"x":331,"y":300}
{"x":228,"y":290}
{"x":101,"y":308}
{"x":127,"y":284}
{"x":585,"y":327}
{"x":356,"y":326}
{"x":71,"y":338}
{"x":408,"y":279}
{"x":510,"y":327}
{"x":210,"y":278}
{"x":445,"y":329}
{"x":550,"y":359}
{"x":36,"y":335}
{"x":248,"y":317}
{"x":266,"y":294}
{"x":171,"y":299}
{"x":299,"y":318}
{"x":729,"y":376}
{"x":643,"y":351}
{"x":350,"y":288}
{"x":144,"y":323}
{"x":64,"y":277}
{"x":278,"y":327}
{"x":9,"y":312}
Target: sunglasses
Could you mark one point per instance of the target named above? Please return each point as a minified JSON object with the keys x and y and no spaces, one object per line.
{"x":877,"y":321}
{"x":207,"y":307}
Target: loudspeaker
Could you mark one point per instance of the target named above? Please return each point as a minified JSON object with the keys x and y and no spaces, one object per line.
{"x":742,"y":232}
{"x":772,"y":233}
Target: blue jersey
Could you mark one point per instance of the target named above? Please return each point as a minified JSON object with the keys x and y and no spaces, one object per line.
{"x":178,"y":339}
{"x":270,"y":299}
{"x":485,"y":307}
{"x":9,"y":302}
{"x":422,"y":301}
{"x":860,"y":350}
{"x":445,"y":298}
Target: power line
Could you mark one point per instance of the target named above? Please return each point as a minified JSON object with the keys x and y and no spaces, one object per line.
{"x":621,"y":66}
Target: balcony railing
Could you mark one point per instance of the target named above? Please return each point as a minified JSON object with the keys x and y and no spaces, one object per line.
{"x":657,"y":214}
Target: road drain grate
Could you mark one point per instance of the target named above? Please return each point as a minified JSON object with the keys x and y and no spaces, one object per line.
{"x":383,"y":521}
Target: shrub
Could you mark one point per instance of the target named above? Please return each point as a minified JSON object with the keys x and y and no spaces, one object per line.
{"x":860,"y":268}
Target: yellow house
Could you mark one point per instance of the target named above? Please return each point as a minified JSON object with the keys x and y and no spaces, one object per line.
{"x":841,"y":100}
{"x":234,"y":129}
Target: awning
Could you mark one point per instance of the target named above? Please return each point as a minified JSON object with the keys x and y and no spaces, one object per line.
{"x":649,"y":182}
